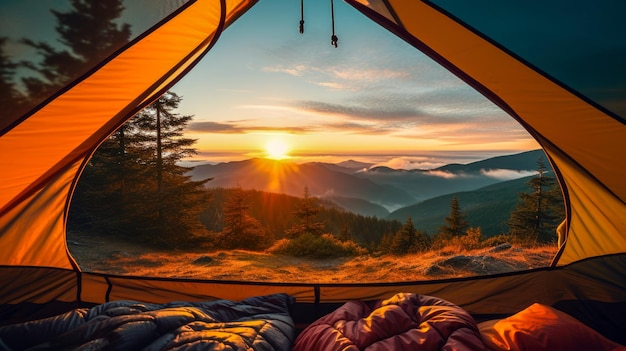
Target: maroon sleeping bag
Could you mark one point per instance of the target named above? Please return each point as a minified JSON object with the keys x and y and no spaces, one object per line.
{"x":403,"y":322}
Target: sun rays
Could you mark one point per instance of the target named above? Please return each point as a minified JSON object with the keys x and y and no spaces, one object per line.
{"x":277,"y":149}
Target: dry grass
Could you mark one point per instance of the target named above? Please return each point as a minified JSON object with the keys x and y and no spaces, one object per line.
{"x":97,"y":255}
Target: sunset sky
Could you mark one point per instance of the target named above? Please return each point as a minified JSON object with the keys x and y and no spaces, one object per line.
{"x":374,"y":98}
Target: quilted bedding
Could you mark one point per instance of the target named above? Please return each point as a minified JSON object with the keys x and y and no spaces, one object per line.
{"x":403,"y":322}
{"x":257,"y":323}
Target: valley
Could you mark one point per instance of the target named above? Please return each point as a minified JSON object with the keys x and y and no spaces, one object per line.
{"x":356,"y":202}
{"x":487,"y":190}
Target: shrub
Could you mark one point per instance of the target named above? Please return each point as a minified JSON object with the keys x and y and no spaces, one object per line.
{"x":471,"y":240}
{"x":310,"y":245}
{"x":279,"y":246}
{"x":497,"y":240}
{"x":406,"y":240}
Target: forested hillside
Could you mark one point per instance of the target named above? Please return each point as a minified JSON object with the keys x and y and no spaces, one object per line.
{"x":275,"y":213}
{"x":288,"y":177}
{"x":488,"y":207}
{"x":424,"y":184}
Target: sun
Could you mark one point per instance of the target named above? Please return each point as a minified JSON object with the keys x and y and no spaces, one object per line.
{"x":277,"y":149}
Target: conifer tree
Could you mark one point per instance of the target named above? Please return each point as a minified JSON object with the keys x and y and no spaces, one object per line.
{"x":241,"y":230}
{"x":110,"y":195}
{"x":172,"y":201}
{"x":409,"y":240}
{"x":344,"y":233}
{"x":539,"y":212}
{"x":306,"y":217}
{"x":11,"y":99}
{"x":134,"y":185}
{"x":456,"y":225}
{"x":88,"y":33}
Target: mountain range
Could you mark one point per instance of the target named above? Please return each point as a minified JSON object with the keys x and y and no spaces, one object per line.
{"x":485,"y":188}
{"x":487,"y":207}
{"x":284,"y":177}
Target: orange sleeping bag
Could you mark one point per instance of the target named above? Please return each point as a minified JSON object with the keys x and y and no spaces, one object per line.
{"x":403,"y":322}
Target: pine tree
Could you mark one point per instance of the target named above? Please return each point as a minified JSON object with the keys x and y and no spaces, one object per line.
{"x":409,"y":240}
{"x":306,"y":217}
{"x":456,"y":225}
{"x":109,"y":197}
{"x":344,"y":233}
{"x":539,"y":212}
{"x":241,"y":230}
{"x":134,"y":186}
{"x":11,"y":99}
{"x":172,"y":202}
{"x":88,"y":33}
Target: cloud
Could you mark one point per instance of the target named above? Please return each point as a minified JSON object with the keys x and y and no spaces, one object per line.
{"x":375,"y":98}
{"x":295,"y":70}
{"x":395,"y":115}
{"x":362,"y":111}
{"x":436,"y":105}
{"x":230,"y":90}
{"x":424,"y":163}
{"x":213,"y":127}
{"x":234,"y":128}
{"x":507,"y":174}
{"x":393,"y":91}
{"x":353,"y":127}
{"x":443,"y":174}
{"x":368,"y":74}
{"x":345,"y":73}
{"x":334,"y":85}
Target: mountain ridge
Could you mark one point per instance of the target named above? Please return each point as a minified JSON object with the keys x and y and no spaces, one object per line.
{"x":291,"y":178}
{"x":375,"y":191}
{"x":487,"y":207}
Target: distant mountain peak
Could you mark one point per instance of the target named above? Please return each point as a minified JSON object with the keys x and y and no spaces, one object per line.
{"x":364,"y":191}
{"x":383,"y":169}
{"x":353,"y":164}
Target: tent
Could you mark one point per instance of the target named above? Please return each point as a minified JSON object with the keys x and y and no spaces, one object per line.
{"x":562,"y":78}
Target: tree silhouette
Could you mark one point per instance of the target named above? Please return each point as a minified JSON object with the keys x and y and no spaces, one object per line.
{"x":110,"y":195}
{"x":241,"y":230}
{"x":87,"y":33}
{"x":160,"y":130}
{"x":539,"y":212}
{"x":11,"y":99}
{"x":134,"y":184}
{"x":456,"y":225}
{"x":409,"y":240}
{"x":306,"y":217}
{"x":270,"y":209}
{"x":344,"y":233}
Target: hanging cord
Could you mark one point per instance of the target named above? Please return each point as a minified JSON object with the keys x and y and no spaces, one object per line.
{"x":301,"y":16}
{"x":333,"y":38}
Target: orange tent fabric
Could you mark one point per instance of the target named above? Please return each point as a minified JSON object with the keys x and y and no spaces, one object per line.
{"x":584,"y":135}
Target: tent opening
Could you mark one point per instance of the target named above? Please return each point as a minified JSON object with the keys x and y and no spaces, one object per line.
{"x":326,"y":165}
{"x":296,"y":161}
